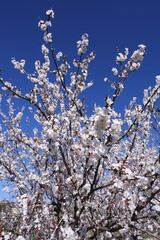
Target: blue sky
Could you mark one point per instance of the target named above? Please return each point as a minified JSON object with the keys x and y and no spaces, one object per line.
{"x":109,"y":23}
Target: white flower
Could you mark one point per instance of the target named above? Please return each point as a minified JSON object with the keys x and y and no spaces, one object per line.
{"x":157,"y":208}
{"x":45,"y":50}
{"x":134,"y":66}
{"x":101,"y":119}
{"x":45,"y":210}
{"x":51,"y":133}
{"x":82,"y":44}
{"x":108,"y":234}
{"x":121,"y":57}
{"x":116,"y":166}
{"x":33,"y":176}
{"x":59,"y":55}
{"x":118,"y":183}
{"x":68,"y":233}
{"x":22,"y":62}
{"x":158,"y":79}
{"x":51,"y":108}
{"x":50,"y":13}
{"x":109,"y":101}
{"x":20,"y":238}
{"x":4,"y":88}
{"x":129,"y":173}
{"x":18,"y":116}
{"x":124,"y":73}
{"x":142,"y":46}
{"x":115,"y":71}
{"x":6,"y":237}
{"x":7,"y":84}
{"x":138,"y":55}
{"x":18,"y":65}
{"x":101,"y":122}
{"x":48,"y":37}
{"x":126,"y":51}
{"x":42,"y":25}
{"x":116,"y":125}
{"x":142,"y":181}
{"x":105,"y":79}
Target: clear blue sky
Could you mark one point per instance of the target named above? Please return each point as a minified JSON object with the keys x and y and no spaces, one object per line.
{"x":109,"y":23}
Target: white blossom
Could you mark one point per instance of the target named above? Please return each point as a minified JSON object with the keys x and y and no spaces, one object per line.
{"x":116,"y":125}
{"x":118,"y":183}
{"x":109,"y":101}
{"x":50,"y":13}
{"x":48,"y":37}
{"x":121,"y":57}
{"x":158,"y":79}
{"x":45,"y":50}
{"x":105,"y":79}
{"x":59,"y":55}
{"x":142,"y":46}
{"x":68,"y":233}
{"x":115,"y":71}
{"x":20,"y":238}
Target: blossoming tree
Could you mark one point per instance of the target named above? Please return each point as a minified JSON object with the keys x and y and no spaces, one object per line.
{"x":79,"y":176}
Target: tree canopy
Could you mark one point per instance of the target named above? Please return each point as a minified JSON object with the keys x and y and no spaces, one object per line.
{"x":78,"y":175}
